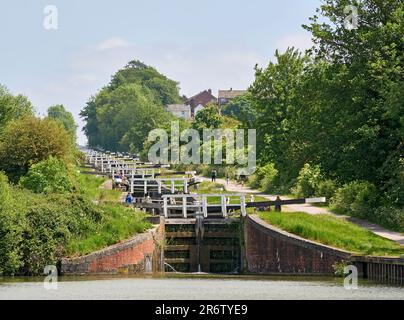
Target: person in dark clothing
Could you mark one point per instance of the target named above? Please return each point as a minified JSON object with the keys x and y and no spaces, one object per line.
{"x":213,"y":175}
{"x":243,"y":179}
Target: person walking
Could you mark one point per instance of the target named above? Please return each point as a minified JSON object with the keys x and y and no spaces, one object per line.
{"x":227,"y":180}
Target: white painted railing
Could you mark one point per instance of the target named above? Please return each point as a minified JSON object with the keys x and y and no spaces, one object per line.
{"x":201,"y":204}
{"x":173,"y":184}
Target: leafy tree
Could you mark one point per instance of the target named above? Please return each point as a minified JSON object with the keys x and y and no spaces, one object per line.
{"x":275,"y":95}
{"x":30,"y":140}
{"x":208,"y":118}
{"x":12,"y":107}
{"x":121,"y":115}
{"x":308,"y":181}
{"x":60,"y":114}
{"x":241,"y":109}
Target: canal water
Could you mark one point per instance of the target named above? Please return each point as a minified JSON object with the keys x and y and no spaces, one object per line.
{"x":195,"y":287}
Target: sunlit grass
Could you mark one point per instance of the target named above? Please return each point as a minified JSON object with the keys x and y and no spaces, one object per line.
{"x":119,"y":223}
{"x":334,"y":232}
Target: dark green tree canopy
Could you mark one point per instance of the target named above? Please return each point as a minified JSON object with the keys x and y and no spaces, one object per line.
{"x":123,"y":113}
{"x":61,"y":115}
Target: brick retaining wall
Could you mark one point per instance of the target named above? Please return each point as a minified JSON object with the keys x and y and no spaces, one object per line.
{"x":270,"y":250}
{"x":129,"y":254}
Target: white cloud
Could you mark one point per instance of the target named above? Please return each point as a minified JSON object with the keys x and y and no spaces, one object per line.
{"x":196,"y":67}
{"x":112,"y":43}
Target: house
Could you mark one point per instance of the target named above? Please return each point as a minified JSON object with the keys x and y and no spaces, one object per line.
{"x":199,"y":101}
{"x":225,"y":96}
{"x":180,"y":110}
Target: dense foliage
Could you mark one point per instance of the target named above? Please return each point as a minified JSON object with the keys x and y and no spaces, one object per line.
{"x":123,"y":113}
{"x":12,"y":107}
{"x":53,"y":211}
{"x":50,"y":176}
{"x":333,"y":117}
{"x":30,"y":140}
{"x":60,"y":114}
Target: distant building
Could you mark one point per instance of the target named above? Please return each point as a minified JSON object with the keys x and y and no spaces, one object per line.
{"x":225,"y":96}
{"x":199,"y":101}
{"x":180,"y":110}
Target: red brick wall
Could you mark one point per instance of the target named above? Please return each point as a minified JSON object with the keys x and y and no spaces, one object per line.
{"x":129,"y":256}
{"x":109,"y":260}
{"x":270,"y":250}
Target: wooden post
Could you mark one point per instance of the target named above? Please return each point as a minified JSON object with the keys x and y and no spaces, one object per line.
{"x":159,"y":186}
{"x":145,"y":187}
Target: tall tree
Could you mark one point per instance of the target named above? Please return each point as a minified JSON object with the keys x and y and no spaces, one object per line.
{"x":12,"y":107}
{"x":121,"y":115}
{"x":274,"y":95}
{"x":61,"y":115}
{"x":30,"y":140}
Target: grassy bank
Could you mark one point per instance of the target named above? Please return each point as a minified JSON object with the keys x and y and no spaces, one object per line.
{"x":334,"y":232}
{"x":90,"y":186}
{"x":118,"y":223}
{"x":38,"y":229}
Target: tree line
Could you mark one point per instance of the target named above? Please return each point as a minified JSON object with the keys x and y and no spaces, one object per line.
{"x":329,"y":120}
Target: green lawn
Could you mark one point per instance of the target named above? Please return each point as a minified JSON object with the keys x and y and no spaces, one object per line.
{"x":334,"y":232}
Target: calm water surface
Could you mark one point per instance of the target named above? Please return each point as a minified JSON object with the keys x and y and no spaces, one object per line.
{"x":194,"y":287}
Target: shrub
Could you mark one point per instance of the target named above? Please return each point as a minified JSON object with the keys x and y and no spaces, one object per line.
{"x":254,"y":181}
{"x":10,"y":230}
{"x":49,"y":176}
{"x":390,"y":217}
{"x":327,"y":188}
{"x":269,"y":174}
{"x":358,"y":198}
{"x":308,"y":181}
{"x":264,"y":178}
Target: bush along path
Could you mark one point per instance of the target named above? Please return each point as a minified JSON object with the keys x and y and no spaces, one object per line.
{"x":313,"y":210}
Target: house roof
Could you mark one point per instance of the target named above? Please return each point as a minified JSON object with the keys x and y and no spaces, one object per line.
{"x":202,"y":98}
{"x":231,"y":94}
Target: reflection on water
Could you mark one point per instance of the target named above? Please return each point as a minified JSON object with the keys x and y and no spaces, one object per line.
{"x":194,"y":287}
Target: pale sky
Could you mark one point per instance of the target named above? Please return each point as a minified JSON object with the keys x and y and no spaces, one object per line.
{"x":201,"y":44}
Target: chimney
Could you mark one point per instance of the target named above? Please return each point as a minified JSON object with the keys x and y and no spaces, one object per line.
{"x":210,"y":91}
{"x":231,"y":89}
